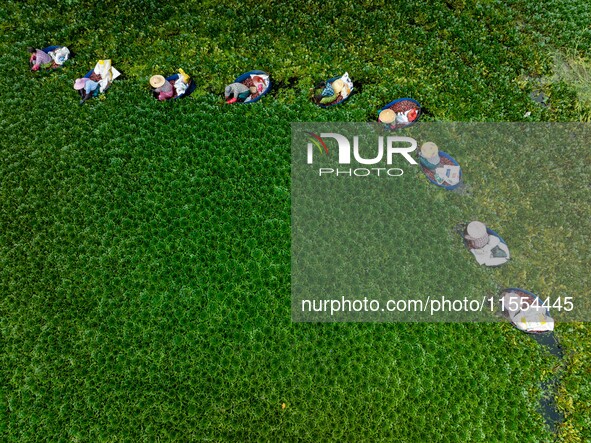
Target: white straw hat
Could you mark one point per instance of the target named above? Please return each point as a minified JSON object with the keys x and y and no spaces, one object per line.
{"x":476,"y":229}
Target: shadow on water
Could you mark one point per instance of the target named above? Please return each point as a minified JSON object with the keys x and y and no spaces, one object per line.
{"x":547,"y":407}
{"x":464,"y":190}
{"x":548,"y":340}
{"x":281,"y":85}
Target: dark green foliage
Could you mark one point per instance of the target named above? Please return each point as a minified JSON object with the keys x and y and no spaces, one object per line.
{"x":144,"y":246}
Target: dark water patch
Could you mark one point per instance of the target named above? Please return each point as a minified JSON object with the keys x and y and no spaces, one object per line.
{"x":278,"y":85}
{"x":357,"y":87}
{"x":122,"y":76}
{"x":539,"y":97}
{"x":360,"y":83}
{"x":426,"y":112}
{"x":459,"y":229}
{"x":547,"y":406}
{"x":548,"y":339}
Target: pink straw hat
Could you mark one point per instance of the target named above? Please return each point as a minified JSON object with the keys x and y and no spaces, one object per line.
{"x":79,"y":83}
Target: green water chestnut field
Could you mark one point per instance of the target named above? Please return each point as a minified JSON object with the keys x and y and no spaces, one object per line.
{"x":145,"y":246}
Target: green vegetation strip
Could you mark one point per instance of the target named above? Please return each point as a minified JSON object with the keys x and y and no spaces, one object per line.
{"x":144,"y":246}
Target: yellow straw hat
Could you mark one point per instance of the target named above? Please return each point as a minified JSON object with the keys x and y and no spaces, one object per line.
{"x":156,"y":81}
{"x":429,"y":150}
{"x":337,"y":85}
{"x":387,"y":116}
